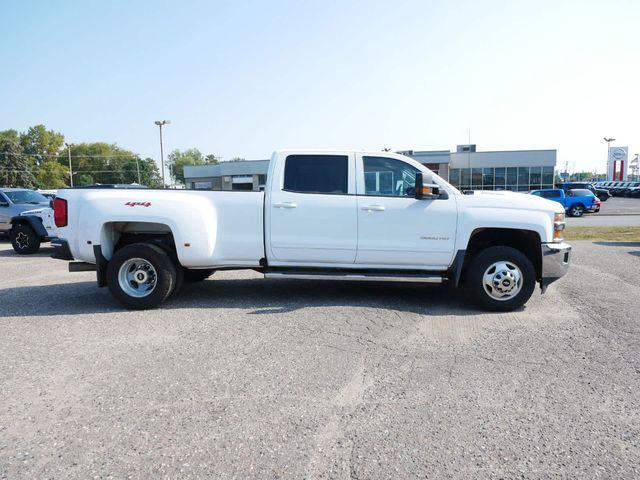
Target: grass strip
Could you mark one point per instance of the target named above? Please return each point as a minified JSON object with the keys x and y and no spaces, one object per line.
{"x":611,"y":234}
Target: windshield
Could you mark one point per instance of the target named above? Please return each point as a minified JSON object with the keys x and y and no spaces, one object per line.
{"x":26,"y":196}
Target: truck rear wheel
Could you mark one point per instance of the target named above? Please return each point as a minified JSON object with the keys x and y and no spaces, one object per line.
{"x":501,"y":278}
{"x":576,"y":211}
{"x":24,"y":240}
{"x":141,"y":276}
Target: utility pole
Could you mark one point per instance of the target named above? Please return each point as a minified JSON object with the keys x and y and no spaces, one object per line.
{"x":160,"y":123}
{"x":138,"y":168}
{"x":69,"y":145}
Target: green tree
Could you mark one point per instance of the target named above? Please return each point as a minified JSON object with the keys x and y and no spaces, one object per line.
{"x":211,"y":159}
{"x":149,"y":172}
{"x":15,"y":170}
{"x":40,"y":143}
{"x":52,"y":174}
{"x":10,"y":135}
{"x":178,"y":159}
{"x":103,"y":163}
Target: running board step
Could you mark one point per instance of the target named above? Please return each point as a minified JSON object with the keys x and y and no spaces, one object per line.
{"x":358,"y":277}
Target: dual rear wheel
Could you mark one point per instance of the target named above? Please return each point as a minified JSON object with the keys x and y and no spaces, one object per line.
{"x":143,"y":275}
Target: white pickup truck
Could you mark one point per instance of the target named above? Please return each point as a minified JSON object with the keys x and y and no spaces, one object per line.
{"x":325,"y":215}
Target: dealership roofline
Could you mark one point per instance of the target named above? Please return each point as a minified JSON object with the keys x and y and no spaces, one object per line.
{"x":418,"y":152}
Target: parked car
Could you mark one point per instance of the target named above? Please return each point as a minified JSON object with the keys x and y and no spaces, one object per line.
{"x":50,"y":194}
{"x":630,"y":189}
{"x":339,"y":215}
{"x":26,"y":216}
{"x":634,"y":191}
{"x":602,"y":193}
{"x":575,"y":202}
{"x":14,"y":201}
{"x":617,"y":188}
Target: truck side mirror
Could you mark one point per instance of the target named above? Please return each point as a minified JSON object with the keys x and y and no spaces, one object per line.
{"x":423,"y":191}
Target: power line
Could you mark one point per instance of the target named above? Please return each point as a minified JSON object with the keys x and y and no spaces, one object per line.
{"x":49,"y":155}
{"x":74,"y":172}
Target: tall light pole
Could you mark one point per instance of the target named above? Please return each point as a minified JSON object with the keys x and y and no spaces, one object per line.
{"x":160,"y":123}
{"x":69,"y":145}
{"x":608,"y":140}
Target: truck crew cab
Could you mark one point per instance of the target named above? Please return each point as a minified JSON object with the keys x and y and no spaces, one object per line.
{"x":326,"y":215}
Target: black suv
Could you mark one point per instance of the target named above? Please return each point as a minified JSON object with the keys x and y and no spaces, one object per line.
{"x":601,"y":193}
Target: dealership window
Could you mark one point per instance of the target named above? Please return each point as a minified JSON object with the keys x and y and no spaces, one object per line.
{"x":487,"y":178}
{"x":500,"y":178}
{"x":523,"y":179}
{"x":454,"y":177}
{"x":202,"y":185}
{"x":535,"y":177}
{"x":547,"y":177}
{"x":476,"y":178}
{"x":465,"y":178}
{"x":316,"y":173}
{"x":512,"y":178}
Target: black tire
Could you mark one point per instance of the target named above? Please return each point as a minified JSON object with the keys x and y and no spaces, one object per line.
{"x":24,"y":239}
{"x":196,"y":275}
{"x":163,"y":270}
{"x":603,"y":198}
{"x":576,"y":210}
{"x":486,"y":259}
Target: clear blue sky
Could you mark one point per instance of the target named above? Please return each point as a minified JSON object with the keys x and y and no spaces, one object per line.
{"x":242,"y":78}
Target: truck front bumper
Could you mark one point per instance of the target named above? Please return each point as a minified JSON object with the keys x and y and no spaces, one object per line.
{"x":555,"y":262}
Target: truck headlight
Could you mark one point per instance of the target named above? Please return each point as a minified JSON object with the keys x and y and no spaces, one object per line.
{"x":558,"y":227}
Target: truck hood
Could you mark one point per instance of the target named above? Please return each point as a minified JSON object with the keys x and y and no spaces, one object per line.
{"x":510,"y":200}
{"x":37,"y":211}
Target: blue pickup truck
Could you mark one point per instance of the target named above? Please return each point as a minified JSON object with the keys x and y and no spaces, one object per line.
{"x":575,"y":202}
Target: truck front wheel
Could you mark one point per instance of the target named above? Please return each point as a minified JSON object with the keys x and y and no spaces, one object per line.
{"x":141,"y":276}
{"x":501,"y":278}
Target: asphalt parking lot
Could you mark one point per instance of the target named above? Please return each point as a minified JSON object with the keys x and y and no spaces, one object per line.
{"x":241,"y":377}
{"x":615,"y":212}
{"x":620,"y":206}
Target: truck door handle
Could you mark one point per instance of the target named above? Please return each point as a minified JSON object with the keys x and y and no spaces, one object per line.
{"x":373,"y":208}
{"x":285,"y":205}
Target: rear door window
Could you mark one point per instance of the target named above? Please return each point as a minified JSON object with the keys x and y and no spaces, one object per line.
{"x":317,"y":174}
{"x":551,"y":193}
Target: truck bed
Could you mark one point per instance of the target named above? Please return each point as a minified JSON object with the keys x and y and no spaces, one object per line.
{"x":215,"y":228}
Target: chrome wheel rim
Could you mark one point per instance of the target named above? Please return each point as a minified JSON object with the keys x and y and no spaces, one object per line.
{"x":137,"y":277}
{"x":502,"y":280}
{"x":22,"y":240}
{"x":576,"y":211}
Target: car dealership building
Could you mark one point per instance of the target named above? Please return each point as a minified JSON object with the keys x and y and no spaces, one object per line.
{"x":466,"y":168}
